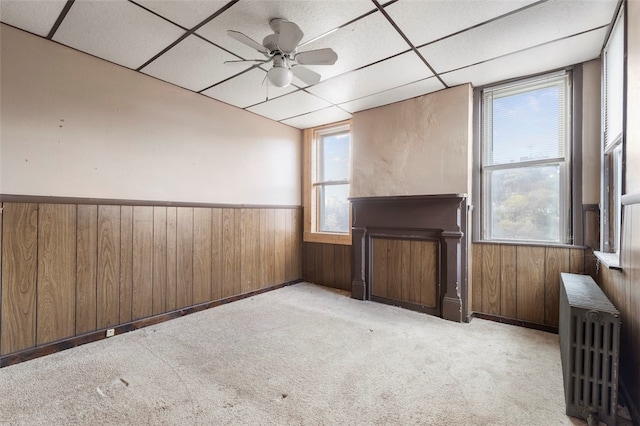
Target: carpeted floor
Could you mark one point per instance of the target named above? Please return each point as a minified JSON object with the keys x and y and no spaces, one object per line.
{"x":303,"y":354}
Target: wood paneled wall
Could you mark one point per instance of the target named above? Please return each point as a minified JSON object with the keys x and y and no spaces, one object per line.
{"x":405,"y":270}
{"x":71,"y":269}
{"x":623,"y":289}
{"x":327,"y":264}
{"x":521,"y":282}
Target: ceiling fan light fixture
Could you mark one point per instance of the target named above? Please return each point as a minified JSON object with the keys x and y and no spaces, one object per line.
{"x":280,"y":76}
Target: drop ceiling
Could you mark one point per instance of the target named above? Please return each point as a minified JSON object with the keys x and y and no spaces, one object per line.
{"x":387,"y":51}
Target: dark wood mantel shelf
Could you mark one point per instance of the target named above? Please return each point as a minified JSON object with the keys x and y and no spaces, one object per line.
{"x":441,"y":218}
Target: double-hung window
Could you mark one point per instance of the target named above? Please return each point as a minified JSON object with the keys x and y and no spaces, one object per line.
{"x":526,"y":186}
{"x":327,"y":180}
{"x":612,"y":136}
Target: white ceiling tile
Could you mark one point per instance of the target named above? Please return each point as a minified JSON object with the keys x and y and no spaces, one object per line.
{"x":117,"y":31}
{"x":252,"y":18}
{"x":318,"y":118}
{"x":384,"y":75}
{"x":193,"y":64}
{"x":550,"y":56}
{"x":246,"y":89}
{"x":425,"y":21}
{"x":37,"y":17}
{"x":363,"y":42}
{"x":536,"y":25}
{"x":187,"y":13}
{"x":290,"y":105}
{"x":397,"y":94}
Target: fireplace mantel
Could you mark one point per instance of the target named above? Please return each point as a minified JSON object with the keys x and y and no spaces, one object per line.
{"x":441,"y":218}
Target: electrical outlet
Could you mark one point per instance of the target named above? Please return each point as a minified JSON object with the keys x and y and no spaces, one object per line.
{"x":111,"y":332}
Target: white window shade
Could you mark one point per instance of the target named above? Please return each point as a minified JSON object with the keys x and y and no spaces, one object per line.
{"x":613,"y":86}
{"x":525,"y":122}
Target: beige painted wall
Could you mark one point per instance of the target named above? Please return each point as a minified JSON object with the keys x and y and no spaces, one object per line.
{"x":415,"y":147}
{"x":73,"y":125}
{"x":633,"y":98}
{"x":591,"y":140}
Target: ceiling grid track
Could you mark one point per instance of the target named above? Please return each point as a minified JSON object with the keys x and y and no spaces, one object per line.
{"x":416,"y":51}
{"x":458,"y":43}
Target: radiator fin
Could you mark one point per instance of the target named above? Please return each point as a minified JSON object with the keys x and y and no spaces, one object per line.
{"x":589,"y":343}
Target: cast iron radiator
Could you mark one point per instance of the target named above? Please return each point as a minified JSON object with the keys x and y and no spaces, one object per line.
{"x":589,"y":344}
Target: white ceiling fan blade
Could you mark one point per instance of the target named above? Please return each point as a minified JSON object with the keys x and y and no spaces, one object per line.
{"x":317,"y":57}
{"x":246,"y":62}
{"x":289,"y":36}
{"x":305,"y":74}
{"x":247,"y":40}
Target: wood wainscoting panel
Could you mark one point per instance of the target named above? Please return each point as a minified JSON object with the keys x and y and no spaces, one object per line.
{"x":159,"y":286}
{"x":86,"y":269}
{"x":250,"y":240}
{"x":263,"y":243}
{"x":184,"y":289}
{"x":228,"y":248}
{"x":202,"y":252}
{"x":491,"y":279}
{"x":172,"y":259}
{"x":126,"y":262}
{"x":380,"y":275}
{"x":70,"y":271}
{"x":108,"y":287}
{"x":270,"y":251}
{"x":521,"y":282}
{"x":142,"y":285}
{"x":394,"y":269}
{"x":428,"y":282}
{"x":405,"y":270}
{"x":556,"y":261}
{"x":530,"y":291}
{"x":328,"y":258}
{"x":407,"y":285}
{"x":508,"y":281}
{"x":216,"y":254}
{"x":337,"y":266}
{"x":577,"y":261}
{"x":19,"y":273}
{"x":281,"y":245}
{"x":56,"y":293}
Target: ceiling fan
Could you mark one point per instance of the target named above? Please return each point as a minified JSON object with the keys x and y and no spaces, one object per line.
{"x":280,"y":48}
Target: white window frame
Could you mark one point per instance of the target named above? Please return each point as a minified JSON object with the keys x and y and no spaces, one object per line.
{"x":613,"y":146}
{"x":312,"y":185}
{"x":564,"y":162}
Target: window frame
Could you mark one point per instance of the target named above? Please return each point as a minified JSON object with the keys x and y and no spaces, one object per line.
{"x":569,"y":168}
{"x":312,"y":186}
{"x":612,"y":158}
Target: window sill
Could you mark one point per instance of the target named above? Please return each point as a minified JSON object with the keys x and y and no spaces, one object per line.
{"x":610,"y":260}
{"x":528,"y":243}
{"x":327,"y":238}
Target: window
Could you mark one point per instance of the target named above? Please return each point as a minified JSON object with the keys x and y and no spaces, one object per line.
{"x":612,"y":136}
{"x":326,"y":184}
{"x":525,"y":170}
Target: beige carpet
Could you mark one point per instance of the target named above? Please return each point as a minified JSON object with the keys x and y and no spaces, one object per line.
{"x":303,"y":354}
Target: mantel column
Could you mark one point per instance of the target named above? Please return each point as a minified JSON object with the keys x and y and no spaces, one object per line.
{"x":358,"y":248}
{"x":452,"y":302}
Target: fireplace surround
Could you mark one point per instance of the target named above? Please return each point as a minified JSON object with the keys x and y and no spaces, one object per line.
{"x":441,"y":218}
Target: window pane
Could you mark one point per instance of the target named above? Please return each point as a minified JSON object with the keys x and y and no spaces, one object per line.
{"x":526,"y":126}
{"x":334,"y":157}
{"x":334,"y":208}
{"x":525,"y":203}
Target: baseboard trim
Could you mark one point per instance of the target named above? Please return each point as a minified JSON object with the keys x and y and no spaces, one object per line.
{"x":511,"y":321}
{"x":628,"y":402}
{"x":72,"y":342}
